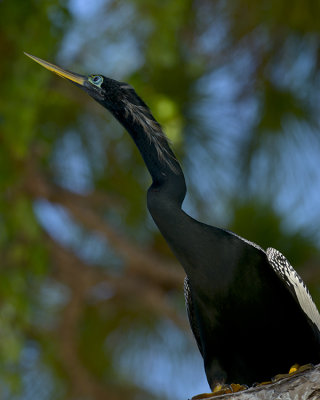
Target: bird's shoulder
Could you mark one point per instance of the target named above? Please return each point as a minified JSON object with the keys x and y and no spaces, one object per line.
{"x":242,"y":239}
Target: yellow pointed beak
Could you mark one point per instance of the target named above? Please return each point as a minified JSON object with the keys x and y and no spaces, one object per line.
{"x":71,"y":76}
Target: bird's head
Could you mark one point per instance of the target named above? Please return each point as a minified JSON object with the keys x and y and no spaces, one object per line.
{"x":113,"y":94}
{"x":124,"y":103}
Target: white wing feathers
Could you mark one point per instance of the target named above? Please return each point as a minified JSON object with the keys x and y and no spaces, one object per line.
{"x":295,"y":284}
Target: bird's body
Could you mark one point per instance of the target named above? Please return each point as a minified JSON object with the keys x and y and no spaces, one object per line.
{"x":251,"y":314}
{"x":247,"y":323}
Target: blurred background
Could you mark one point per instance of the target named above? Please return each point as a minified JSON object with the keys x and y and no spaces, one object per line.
{"x":91,"y":303}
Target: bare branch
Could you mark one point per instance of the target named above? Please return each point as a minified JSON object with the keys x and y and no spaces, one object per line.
{"x":69,"y":268}
{"x":139,"y":260}
{"x":302,"y":386}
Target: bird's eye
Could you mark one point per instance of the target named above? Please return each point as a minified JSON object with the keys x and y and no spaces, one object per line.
{"x":96,"y":80}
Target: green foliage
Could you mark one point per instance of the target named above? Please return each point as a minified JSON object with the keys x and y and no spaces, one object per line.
{"x":260,"y":224}
{"x":23,"y":251}
{"x":279,"y":104}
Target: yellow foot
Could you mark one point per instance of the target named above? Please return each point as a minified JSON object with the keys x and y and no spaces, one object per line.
{"x":295,"y":369}
{"x":220,"y":390}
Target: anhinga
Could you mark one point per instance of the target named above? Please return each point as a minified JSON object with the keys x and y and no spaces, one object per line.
{"x":250,"y":312}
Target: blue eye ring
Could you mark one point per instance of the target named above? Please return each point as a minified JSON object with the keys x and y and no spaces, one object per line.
{"x":96,"y":80}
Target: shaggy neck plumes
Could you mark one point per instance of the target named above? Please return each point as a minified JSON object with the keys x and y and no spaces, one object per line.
{"x":152,"y":143}
{"x":141,"y":125}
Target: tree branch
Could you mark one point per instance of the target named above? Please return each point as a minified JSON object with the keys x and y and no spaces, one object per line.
{"x":302,"y":386}
{"x":139,"y":260}
{"x":127,"y":286}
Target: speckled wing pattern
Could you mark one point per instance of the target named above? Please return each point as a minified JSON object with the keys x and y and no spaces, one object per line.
{"x":295,"y":284}
{"x":190,"y":312}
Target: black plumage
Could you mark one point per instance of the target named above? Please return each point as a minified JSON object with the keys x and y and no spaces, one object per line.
{"x":250,"y":313}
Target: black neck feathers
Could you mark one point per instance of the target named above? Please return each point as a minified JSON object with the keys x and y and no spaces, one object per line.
{"x":167,"y":177}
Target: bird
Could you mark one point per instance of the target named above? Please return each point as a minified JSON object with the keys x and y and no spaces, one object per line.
{"x":250,"y":312}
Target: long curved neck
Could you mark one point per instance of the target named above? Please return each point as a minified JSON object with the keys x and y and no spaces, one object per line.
{"x":168,"y":184}
{"x":168,"y":189}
